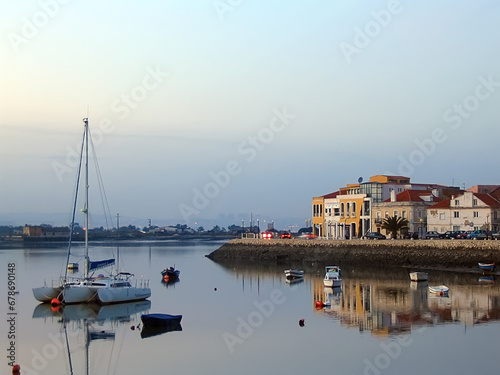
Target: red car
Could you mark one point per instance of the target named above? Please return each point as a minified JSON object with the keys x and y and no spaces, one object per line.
{"x":286,"y":235}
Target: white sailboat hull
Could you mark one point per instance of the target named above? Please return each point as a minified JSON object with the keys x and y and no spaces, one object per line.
{"x":124,"y":294}
{"x":46,"y":293}
{"x":79,"y":294}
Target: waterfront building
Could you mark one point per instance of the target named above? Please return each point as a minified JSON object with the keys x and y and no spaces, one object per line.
{"x":410,"y":205}
{"x":465,"y":211}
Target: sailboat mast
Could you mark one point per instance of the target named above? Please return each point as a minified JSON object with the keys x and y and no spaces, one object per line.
{"x":86,"y":207}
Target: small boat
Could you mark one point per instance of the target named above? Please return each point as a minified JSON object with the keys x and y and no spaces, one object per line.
{"x":487,"y":266}
{"x":332,"y":276}
{"x":161,"y":320}
{"x":439,"y":289}
{"x":292,"y":274}
{"x":170,"y":274}
{"x":419,"y":276}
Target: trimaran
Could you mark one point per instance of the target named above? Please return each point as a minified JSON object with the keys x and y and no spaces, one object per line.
{"x":110,"y":289}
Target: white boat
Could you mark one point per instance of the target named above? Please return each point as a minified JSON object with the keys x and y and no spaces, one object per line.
{"x":90,"y":288}
{"x":294,"y":274}
{"x":332,"y":277}
{"x":439,"y":289}
{"x":419,"y":276}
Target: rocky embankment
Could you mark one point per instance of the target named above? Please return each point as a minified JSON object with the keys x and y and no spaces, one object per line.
{"x":451,"y":254}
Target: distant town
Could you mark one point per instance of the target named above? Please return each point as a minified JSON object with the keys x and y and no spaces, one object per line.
{"x":49,"y":233}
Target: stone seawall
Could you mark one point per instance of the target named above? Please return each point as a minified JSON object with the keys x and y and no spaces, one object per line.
{"x":395,"y":253}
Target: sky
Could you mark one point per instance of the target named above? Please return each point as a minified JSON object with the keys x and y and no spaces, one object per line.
{"x":207,"y":112}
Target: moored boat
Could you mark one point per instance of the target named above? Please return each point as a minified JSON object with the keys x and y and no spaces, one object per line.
{"x":170,"y":274}
{"x":292,"y":274}
{"x":439,"y":289}
{"x":332,"y":277}
{"x":419,"y":276}
{"x":487,"y":266}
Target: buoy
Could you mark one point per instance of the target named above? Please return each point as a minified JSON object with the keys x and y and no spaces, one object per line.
{"x":215,"y":289}
{"x":319,"y":304}
{"x":166,"y":277}
{"x":132,"y":328}
{"x":302,"y":322}
{"x":16,"y":369}
{"x":55,"y":302}
{"x":441,"y":294}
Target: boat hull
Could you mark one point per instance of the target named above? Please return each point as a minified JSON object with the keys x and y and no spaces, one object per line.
{"x":487,"y":266}
{"x":332,"y":283}
{"x":47,"y":293}
{"x":294,"y":274}
{"x":79,"y":294}
{"x":125,"y":294}
{"x":439,"y":289}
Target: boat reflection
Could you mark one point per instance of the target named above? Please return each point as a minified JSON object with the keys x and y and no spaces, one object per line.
{"x":88,"y":323}
{"x":386,"y":307}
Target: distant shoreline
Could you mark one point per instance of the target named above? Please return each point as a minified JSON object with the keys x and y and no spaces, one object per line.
{"x":422,"y":254}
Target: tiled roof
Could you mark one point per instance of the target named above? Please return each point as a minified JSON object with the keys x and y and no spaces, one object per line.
{"x":413,"y":196}
{"x":442,"y":204}
{"x":488,"y":199}
{"x":331,"y":195}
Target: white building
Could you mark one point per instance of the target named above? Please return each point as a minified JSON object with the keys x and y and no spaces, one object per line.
{"x":467,"y":211}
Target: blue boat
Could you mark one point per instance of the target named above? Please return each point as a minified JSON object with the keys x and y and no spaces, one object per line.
{"x":156,"y":324}
{"x":487,"y":266}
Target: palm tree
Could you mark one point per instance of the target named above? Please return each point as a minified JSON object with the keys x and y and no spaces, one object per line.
{"x":394,"y":224}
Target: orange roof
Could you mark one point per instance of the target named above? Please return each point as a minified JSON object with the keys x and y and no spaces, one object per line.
{"x":488,"y":199}
{"x":442,"y":204}
{"x":413,"y":196}
{"x":331,"y":195}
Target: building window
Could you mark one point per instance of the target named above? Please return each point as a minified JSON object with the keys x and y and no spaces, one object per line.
{"x":379,"y":214}
{"x":456,"y":228}
{"x":419,"y":212}
{"x":403,"y":214}
{"x":475,"y":214}
{"x":494,"y":215}
{"x":395,"y":213}
{"x":441,"y":216}
{"x":386,"y":214}
{"x":457,"y":202}
{"x":474,"y":202}
{"x":456,"y":214}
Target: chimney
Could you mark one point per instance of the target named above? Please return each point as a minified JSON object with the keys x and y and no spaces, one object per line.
{"x":393,"y":196}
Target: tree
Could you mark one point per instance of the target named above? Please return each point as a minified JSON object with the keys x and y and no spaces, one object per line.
{"x":394,"y":224}
{"x":201,"y":229}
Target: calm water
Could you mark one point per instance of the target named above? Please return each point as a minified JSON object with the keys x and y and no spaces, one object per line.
{"x":245,"y":320}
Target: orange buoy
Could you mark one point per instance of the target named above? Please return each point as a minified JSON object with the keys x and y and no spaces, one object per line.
{"x":319,"y":304}
{"x":166,"y":278}
{"x":16,"y":369}
{"x":55,"y":302}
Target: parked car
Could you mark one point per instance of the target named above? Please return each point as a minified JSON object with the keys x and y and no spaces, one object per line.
{"x":431,"y":235}
{"x":451,"y":234}
{"x":410,"y":236}
{"x":478,"y":235}
{"x":374,"y":236}
{"x":495,"y":235}
{"x":463,"y":235}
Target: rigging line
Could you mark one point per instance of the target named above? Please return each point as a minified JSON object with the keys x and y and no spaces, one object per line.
{"x":104,"y":198}
{"x":72,"y":225}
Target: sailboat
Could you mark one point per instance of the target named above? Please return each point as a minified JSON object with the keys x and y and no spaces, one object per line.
{"x":90,"y":288}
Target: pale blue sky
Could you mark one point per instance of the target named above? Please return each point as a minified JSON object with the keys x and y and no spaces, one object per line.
{"x":202,"y":81}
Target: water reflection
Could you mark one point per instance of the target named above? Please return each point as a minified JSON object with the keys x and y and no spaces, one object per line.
{"x":82,"y":325}
{"x":386,"y":302}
